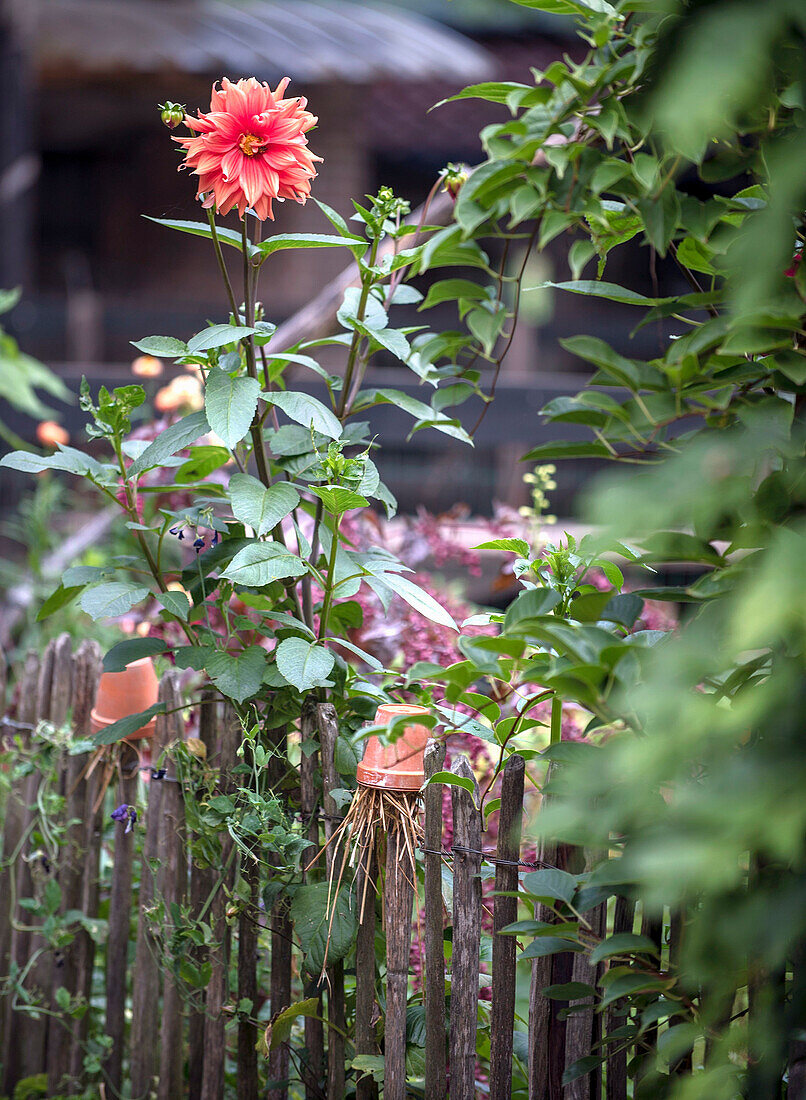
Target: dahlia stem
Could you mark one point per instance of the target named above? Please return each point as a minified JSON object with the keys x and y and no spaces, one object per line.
{"x":222,"y":264}
{"x":556,"y":720}
{"x":366,"y":285}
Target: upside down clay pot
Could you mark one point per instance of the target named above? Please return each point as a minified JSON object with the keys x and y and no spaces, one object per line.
{"x":123,"y":693}
{"x":396,"y":767}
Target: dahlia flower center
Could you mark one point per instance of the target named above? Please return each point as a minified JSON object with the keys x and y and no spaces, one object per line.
{"x":249,"y":144}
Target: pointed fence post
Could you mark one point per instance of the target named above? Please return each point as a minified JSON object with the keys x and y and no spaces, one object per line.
{"x":18,"y":874}
{"x":144,"y":1042}
{"x":505,"y":911}
{"x":398,"y":898}
{"x":86,"y":671}
{"x":365,"y":1006}
{"x":435,"y":1039}
{"x":281,"y":933}
{"x":466,"y":933}
{"x":616,"y":1076}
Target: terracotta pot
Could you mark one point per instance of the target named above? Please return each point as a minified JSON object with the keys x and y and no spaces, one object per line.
{"x":397,"y":767}
{"x":123,"y":693}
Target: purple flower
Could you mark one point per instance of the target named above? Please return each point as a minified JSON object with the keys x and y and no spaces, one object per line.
{"x":125,"y":813}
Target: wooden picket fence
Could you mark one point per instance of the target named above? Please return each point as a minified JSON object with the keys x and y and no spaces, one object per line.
{"x":167,"y":1046}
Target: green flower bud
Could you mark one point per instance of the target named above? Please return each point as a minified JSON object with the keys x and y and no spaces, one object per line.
{"x":172,"y":114}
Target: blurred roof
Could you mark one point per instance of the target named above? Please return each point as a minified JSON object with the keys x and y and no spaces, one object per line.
{"x":311,"y":40}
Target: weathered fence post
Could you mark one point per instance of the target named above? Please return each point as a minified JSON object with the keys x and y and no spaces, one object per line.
{"x":466,"y":934}
{"x":63,"y":1037}
{"x":616,"y":1077}
{"x":434,"y":984}
{"x":366,"y":1087}
{"x":218,"y":987}
{"x":172,"y":886}
{"x":202,"y":881}
{"x":505,"y":911}
{"x":143,"y":1045}
{"x":580,"y":1028}
{"x":314,"y":1032}
{"x":120,"y":902}
{"x":18,"y":874}
{"x":328,"y":734}
{"x":247,"y":981}
{"x":281,"y":942}
{"x":398,"y":898}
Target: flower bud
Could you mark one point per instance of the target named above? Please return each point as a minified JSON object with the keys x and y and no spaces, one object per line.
{"x":453,"y":178}
{"x":172,"y":114}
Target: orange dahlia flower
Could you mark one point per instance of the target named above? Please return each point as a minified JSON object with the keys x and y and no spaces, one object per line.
{"x":251,"y":148}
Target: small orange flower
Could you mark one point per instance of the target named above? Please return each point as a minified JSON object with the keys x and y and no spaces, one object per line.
{"x":147,"y":366}
{"x":251,"y":148}
{"x":182,"y":392}
{"x":51,"y":434}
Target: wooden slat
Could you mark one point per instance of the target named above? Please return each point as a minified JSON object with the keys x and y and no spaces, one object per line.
{"x":540,"y":1006}
{"x":579,"y":1029}
{"x":313,"y":1068}
{"x":144,"y":1046}
{"x":365,"y":1005}
{"x":202,"y":880}
{"x":466,"y":935}
{"x":328,"y":726}
{"x":616,"y":1076}
{"x":247,"y":981}
{"x":505,"y":911}
{"x":172,"y":886}
{"x":434,"y":986}
{"x":85,"y":673}
{"x":281,"y":932}
{"x":120,"y":902}
{"x":218,"y":988}
{"x":16,"y":818}
{"x":398,"y":897}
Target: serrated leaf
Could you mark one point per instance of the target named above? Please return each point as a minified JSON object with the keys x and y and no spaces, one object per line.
{"x":308,"y":240}
{"x":230,"y":404}
{"x":113,"y":599}
{"x":202,"y":229}
{"x":216,"y":336}
{"x":259,"y":507}
{"x":304,"y":664}
{"x":325,"y":923}
{"x":260,"y":563}
{"x":306,"y":410}
{"x":238,"y":676}
{"x":515,"y":546}
{"x":175,"y":438}
{"x":338,"y":500}
{"x":164,"y":347}
{"x":176,"y":602}
{"x":132,"y":649}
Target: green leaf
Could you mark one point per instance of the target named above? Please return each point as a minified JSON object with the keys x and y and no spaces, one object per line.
{"x":548,"y":945}
{"x":173,"y":439}
{"x":66,"y":458}
{"x":176,"y":602}
{"x":551,"y":883}
{"x":308,"y":240}
{"x":593,"y":288}
{"x":126,"y":727}
{"x":113,"y":599}
{"x":58,"y":599}
{"x":260,"y":563}
{"x":259,"y":507}
{"x":451,"y":290}
{"x":565,"y":449}
{"x":202,"y":229}
{"x":581,"y":1068}
{"x":415,"y":597}
{"x":530,"y":604}
{"x":132,"y":649}
{"x":623,"y":609}
{"x":303,"y":664}
{"x":325,"y":923}
{"x":282,"y":1024}
{"x":624,"y":943}
{"x":164,"y":347}
{"x":230,"y":404}
{"x":238,"y":676}
{"x":305,"y":410}
{"x":338,"y":500}
{"x":216,"y":336}
{"x":450,"y":779}
{"x":515,"y":546}
{"x":569,"y":991}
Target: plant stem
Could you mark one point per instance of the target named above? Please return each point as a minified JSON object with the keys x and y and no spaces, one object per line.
{"x":366,"y":286}
{"x":556,"y":720}
{"x":219,"y":255}
{"x":331,"y":566}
